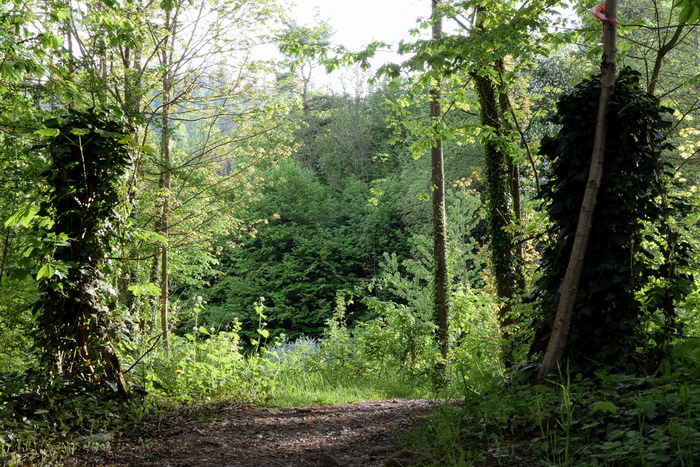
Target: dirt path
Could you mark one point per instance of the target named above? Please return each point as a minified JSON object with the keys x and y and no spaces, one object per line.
{"x":328,"y":435}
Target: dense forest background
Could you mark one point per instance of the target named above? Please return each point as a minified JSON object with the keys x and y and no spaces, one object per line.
{"x":177,"y":202}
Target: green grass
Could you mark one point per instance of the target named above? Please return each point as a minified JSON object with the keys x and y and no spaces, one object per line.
{"x":298,"y":388}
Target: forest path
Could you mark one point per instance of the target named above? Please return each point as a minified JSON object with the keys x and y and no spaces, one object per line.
{"x":358,"y":434}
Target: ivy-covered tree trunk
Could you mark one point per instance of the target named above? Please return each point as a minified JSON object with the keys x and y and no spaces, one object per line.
{"x":635,"y":269}
{"x":500,"y":214}
{"x":502,"y":187}
{"x":441,"y":281}
{"x":86,"y":204}
{"x":513,"y":179}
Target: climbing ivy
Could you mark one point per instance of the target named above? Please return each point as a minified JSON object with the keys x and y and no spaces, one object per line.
{"x":632,"y":245}
{"x":90,"y":157}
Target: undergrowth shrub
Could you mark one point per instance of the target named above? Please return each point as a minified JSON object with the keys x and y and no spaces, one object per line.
{"x":399,"y":339}
{"x":569,"y":419}
{"x":41,"y":420}
{"x":475,"y":354}
{"x":397,"y":349}
{"x":205,"y":365}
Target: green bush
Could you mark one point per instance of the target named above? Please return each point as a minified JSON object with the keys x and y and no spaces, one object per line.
{"x":315,"y":241}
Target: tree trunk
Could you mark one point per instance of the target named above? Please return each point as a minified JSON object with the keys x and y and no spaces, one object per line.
{"x":569,"y":287}
{"x":513,"y":182}
{"x":438,"y":201}
{"x":499,"y":211}
{"x":167,"y":61}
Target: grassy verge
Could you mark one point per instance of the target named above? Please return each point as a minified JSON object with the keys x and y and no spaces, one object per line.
{"x":297,"y":388}
{"x":602,"y":420}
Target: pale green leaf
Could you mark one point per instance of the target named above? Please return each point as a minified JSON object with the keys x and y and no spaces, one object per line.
{"x":22,"y":217}
{"x":48,"y":132}
{"x":687,"y":13}
{"x":46,"y":270}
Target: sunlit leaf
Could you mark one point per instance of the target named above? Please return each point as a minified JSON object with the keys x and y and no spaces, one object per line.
{"x":23,"y":217}
{"x":48,"y":132}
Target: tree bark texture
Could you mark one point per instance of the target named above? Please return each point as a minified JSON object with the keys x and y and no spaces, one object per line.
{"x":569,"y":288}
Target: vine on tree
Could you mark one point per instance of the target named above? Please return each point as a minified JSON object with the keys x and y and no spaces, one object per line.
{"x":632,"y":248}
{"x":90,"y":157}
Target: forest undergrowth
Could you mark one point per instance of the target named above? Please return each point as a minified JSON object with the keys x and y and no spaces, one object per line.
{"x":493,"y":416}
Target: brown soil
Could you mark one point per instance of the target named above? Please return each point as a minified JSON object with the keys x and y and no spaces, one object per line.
{"x":360,"y":434}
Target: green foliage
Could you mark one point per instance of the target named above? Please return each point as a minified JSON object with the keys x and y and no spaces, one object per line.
{"x":318,"y":241}
{"x":401,"y":299}
{"x":392,"y":355}
{"x":43,"y":421}
{"x":26,"y":40}
{"x":477,"y":344}
{"x":608,"y":419}
{"x":632,"y":244}
{"x":398,"y":339}
{"x":316,"y":236}
{"x":689,"y":10}
{"x":408,"y":280}
{"x":204,"y":365}
{"x":329,"y":371}
{"x":25,"y":74}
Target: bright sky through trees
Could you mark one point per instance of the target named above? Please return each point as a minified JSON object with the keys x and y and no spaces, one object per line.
{"x":358,"y":22}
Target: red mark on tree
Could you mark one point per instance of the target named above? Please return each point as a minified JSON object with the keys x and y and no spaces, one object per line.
{"x":598,"y":12}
